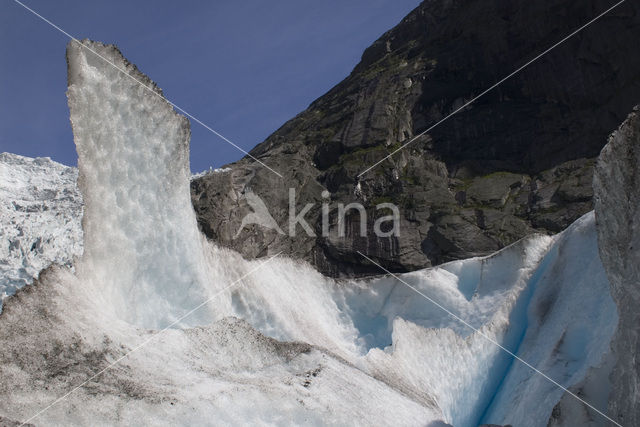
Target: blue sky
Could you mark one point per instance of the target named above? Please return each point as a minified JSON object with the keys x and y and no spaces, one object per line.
{"x":242,"y":67}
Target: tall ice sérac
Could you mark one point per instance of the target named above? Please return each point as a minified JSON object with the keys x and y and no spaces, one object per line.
{"x":141,"y":245}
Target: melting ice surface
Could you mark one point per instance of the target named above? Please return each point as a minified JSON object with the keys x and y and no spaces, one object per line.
{"x":388,"y":354}
{"x":142,"y":245}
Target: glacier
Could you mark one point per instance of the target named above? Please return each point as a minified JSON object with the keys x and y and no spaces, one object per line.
{"x":276,"y":342}
{"x":617,"y":207}
{"x":40,"y":218}
{"x":142,"y":247}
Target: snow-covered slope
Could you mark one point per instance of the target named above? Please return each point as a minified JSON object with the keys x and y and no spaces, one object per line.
{"x":40,"y":214}
{"x":273,"y":341}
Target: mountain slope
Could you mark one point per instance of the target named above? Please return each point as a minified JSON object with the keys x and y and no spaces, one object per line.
{"x":518,"y":160}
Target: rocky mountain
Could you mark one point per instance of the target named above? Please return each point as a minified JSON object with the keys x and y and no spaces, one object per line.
{"x":518,"y":160}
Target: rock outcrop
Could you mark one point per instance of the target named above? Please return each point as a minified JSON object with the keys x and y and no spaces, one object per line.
{"x":518,"y":160}
{"x":617,"y":206}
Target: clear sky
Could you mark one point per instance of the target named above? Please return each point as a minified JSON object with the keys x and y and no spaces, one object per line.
{"x":243,"y":67}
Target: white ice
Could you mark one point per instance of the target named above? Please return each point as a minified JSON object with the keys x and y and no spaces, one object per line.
{"x":569,"y":323}
{"x":366,"y":352}
{"x":142,"y":247}
{"x":40,"y":213}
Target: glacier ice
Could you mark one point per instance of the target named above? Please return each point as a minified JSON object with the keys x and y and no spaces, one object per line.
{"x":285,"y":345}
{"x":142,"y":247}
{"x":617,"y":207}
{"x":570,"y":320}
{"x":39,"y":219}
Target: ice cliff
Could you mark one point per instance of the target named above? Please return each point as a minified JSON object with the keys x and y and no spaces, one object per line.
{"x":277,"y":342}
{"x":142,"y":245}
{"x":617,"y":206}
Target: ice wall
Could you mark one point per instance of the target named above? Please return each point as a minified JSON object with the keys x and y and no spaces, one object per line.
{"x":617,"y":206}
{"x":568,"y":325}
{"x":389,"y":331}
{"x":142,"y":248}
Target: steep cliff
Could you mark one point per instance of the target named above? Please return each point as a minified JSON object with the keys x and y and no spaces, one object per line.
{"x":617,"y":205}
{"x":518,"y":160}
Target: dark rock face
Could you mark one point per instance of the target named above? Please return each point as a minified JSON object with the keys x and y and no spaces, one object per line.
{"x":518,"y":160}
